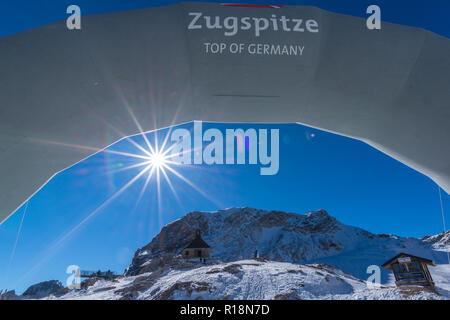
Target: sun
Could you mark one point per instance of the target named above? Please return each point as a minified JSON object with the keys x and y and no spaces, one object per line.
{"x":158,"y":160}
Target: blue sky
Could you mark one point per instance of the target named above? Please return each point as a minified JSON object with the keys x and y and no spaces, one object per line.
{"x":352,"y":181}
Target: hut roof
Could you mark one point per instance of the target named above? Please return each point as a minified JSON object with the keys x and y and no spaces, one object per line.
{"x":198,"y":242}
{"x":388,"y":263}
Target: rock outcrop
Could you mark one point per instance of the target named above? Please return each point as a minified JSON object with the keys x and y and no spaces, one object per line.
{"x":43,"y":289}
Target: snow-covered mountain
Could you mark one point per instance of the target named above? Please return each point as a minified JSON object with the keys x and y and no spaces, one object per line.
{"x":439,"y":242}
{"x":43,"y":289}
{"x":236,"y":233}
{"x":302,"y":256}
{"x":246,"y":279}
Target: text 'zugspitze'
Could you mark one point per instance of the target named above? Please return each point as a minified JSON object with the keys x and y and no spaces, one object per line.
{"x":232,"y":25}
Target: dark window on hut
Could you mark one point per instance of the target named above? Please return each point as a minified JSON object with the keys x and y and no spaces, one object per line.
{"x":414,"y":267}
{"x":407,"y":267}
{"x":399,"y":268}
{"x":411,"y":270}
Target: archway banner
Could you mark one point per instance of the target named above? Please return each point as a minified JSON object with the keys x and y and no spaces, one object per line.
{"x":63,"y":87}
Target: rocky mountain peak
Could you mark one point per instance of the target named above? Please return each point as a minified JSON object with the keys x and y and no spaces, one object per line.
{"x":236,"y":233}
{"x":43,"y":289}
{"x":439,"y":241}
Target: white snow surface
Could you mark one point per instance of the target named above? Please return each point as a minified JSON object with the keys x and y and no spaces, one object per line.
{"x":250,"y":279}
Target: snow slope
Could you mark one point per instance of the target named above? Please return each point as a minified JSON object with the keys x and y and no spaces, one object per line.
{"x":246,"y":279}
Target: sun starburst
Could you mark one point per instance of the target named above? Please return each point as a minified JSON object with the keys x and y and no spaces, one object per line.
{"x":157,"y":160}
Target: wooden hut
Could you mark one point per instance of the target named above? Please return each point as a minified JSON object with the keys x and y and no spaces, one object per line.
{"x":198,"y":248}
{"x":410,"y":270}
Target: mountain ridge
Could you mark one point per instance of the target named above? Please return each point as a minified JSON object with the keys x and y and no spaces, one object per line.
{"x":315,"y":236}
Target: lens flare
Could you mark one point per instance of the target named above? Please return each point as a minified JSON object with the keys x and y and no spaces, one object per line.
{"x":157,"y":160}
